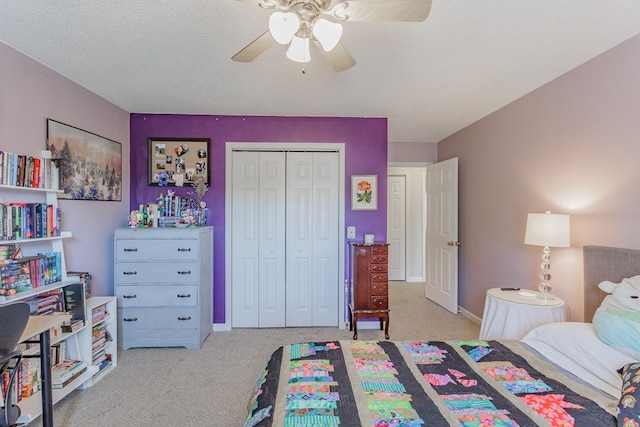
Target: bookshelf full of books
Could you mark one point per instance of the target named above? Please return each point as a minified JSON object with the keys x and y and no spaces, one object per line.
{"x":103,"y":352}
{"x":33,"y":270}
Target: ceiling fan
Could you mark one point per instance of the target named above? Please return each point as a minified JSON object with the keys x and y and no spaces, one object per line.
{"x":297,"y":22}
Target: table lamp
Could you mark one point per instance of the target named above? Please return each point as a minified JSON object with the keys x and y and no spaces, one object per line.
{"x":548,"y":230}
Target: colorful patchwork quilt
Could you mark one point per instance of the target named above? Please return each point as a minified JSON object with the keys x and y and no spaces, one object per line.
{"x":421,"y":383}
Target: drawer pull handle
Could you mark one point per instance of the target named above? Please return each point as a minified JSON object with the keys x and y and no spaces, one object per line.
{"x":184,"y":249}
{"x":131,"y":249}
{"x":130,"y":319}
{"x":129,"y":273}
{"x":130,"y":296}
{"x":184,"y":296}
{"x":184,"y":318}
{"x":184,"y":272}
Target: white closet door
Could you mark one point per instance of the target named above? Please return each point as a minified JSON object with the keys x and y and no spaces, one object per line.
{"x":258,"y":254}
{"x":312,"y":240}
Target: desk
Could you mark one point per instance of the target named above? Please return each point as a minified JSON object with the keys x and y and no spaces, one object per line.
{"x":510,"y":315}
{"x":40,"y":325}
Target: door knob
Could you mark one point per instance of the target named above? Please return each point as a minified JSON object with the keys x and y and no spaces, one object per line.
{"x":453,"y":243}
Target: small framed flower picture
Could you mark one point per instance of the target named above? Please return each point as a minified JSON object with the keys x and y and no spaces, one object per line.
{"x":364,"y":192}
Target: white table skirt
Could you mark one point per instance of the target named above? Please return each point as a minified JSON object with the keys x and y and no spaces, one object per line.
{"x":508,"y":315}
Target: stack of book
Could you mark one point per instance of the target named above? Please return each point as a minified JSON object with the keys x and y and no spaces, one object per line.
{"x":24,"y":274}
{"x":66,"y":371}
{"x":49,"y":302}
{"x":73,"y":326}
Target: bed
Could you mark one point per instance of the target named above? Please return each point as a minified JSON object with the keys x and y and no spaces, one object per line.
{"x":560,"y":374}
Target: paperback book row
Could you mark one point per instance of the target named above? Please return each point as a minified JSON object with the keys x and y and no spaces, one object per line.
{"x":28,"y":376}
{"x":29,"y":221}
{"x":28,"y":171}
{"x":27,"y":273}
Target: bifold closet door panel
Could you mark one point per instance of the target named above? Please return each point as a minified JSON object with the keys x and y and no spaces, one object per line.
{"x":258,"y":230}
{"x":312,"y":282}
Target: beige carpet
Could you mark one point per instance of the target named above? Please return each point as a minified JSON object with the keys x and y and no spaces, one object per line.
{"x":211,"y":386}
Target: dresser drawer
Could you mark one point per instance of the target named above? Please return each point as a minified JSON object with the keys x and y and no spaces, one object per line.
{"x":152,"y":295}
{"x":167,"y":272}
{"x":380,"y":250}
{"x":380,"y":289}
{"x":379,"y":302}
{"x":379,"y":277}
{"x":156,"y":250}
{"x":379,"y":268}
{"x":379,"y":259}
{"x":158,"y":318}
{"x":131,"y":338}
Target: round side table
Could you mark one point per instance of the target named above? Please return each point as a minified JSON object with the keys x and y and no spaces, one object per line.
{"x":511,"y":314}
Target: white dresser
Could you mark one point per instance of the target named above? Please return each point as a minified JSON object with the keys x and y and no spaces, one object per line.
{"x":164,"y":285}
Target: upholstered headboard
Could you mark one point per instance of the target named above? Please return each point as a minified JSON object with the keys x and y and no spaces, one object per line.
{"x":605,"y":263}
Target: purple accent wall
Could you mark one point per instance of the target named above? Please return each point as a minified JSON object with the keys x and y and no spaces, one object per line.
{"x":365,"y":142}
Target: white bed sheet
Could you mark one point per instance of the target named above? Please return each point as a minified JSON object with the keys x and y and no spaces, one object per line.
{"x":574,"y":346}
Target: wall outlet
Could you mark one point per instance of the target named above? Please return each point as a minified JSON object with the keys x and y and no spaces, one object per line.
{"x":351,"y":232}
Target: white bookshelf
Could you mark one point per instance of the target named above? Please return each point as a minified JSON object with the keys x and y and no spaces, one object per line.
{"x":78,"y":343}
{"x":109,"y":323}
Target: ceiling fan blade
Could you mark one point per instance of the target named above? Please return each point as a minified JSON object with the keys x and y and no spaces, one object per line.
{"x":339,"y":58}
{"x":255,"y":48}
{"x":384,"y":10}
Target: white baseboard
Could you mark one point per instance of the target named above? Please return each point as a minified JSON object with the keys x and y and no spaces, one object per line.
{"x":221,"y":327}
{"x":475,"y":319}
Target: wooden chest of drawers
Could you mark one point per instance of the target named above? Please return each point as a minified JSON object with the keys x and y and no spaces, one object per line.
{"x":370,"y":284}
{"x":164,"y":285}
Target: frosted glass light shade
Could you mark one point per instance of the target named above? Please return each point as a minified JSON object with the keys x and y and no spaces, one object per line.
{"x":328,"y":33}
{"x":283,"y":26}
{"x":299,"y":49}
{"x":547,"y":229}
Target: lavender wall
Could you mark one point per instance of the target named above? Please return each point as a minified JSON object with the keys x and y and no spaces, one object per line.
{"x":413,"y":152}
{"x":31,"y":93}
{"x":365,"y":142}
{"x":570,"y":147}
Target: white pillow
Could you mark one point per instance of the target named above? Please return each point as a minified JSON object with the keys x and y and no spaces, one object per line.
{"x":574,"y":346}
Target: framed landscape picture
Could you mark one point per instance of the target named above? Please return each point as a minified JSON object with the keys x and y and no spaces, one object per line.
{"x":364,"y":192}
{"x":91,"y":165}
{"x":178,"y":161}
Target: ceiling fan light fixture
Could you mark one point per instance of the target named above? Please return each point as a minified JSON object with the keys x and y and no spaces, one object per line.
{"x":299,"y":49}
{"x":283,"y":26}
{"x":328,"y":33}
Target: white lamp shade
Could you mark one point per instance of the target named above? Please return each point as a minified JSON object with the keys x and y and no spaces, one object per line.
{"x":328,"y":33}
{"x":283,"y":26}
{"x":299,"y":49}
{"x":547,"y":229}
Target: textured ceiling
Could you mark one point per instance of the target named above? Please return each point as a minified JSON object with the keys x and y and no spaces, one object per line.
{"x":430,"y":79}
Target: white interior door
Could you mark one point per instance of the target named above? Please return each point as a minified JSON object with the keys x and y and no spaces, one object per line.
{"x":396,"y":226}
{"x":312,"y":243}
{"x":258,"y":250}
{"x":442,"y":234}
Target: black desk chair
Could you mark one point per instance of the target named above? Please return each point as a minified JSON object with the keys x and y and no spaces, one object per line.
{"x":13,"y":321}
